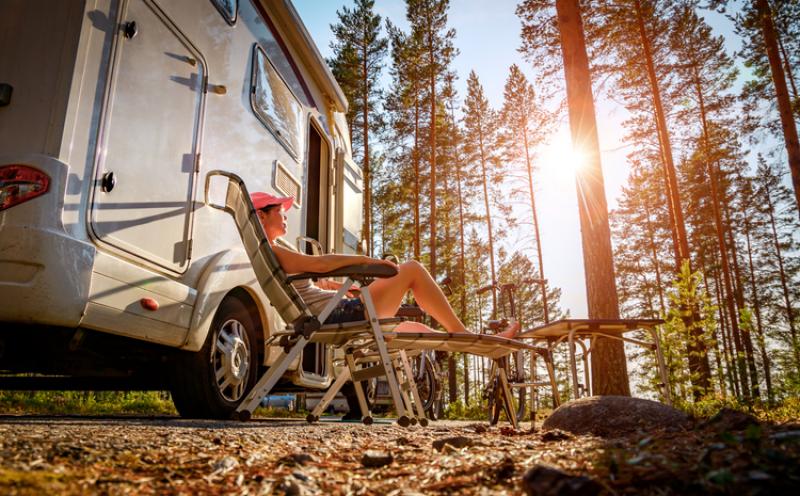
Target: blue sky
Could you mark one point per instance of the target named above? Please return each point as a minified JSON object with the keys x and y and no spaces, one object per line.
{"x":488,"y":38}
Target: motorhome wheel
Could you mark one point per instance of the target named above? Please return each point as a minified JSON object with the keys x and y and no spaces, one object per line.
{"x":212,"y":382}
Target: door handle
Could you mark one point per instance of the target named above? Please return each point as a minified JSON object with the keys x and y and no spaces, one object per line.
{"x":130,"y":29}
{"x":108,"y":182}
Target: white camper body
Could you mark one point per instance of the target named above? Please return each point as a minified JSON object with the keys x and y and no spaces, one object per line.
{"x":114,"y":263}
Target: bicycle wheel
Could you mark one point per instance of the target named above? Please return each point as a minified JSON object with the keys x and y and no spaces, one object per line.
{"x":517,"y":374}
{"x":427,"y":383}
{"x":494,"y":393}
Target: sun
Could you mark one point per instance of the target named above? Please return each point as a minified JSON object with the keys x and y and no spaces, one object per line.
{"x":559,"y":161}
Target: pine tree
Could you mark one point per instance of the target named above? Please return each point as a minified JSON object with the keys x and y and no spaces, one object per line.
{"x":526,"y":123}
{"x":756,"y":24}
{"x":480,"y":140}
{"x":707,"y":75}
{"x":428,"y":19}
{"x":359,"y":51}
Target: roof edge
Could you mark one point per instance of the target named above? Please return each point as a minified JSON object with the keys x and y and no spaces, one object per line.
{"x":318,"y":66}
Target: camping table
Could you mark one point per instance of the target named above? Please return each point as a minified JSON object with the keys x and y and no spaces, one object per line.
{"x":577,"y":330}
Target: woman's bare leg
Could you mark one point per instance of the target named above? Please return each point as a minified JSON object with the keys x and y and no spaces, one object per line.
{"x":388,"y":294}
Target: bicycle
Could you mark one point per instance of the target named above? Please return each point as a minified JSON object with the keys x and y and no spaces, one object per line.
{"x":520,"y":377}
{"x":513,"y":365}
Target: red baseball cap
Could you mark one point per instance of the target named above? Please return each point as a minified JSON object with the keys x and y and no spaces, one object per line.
{"x":262,"y":200}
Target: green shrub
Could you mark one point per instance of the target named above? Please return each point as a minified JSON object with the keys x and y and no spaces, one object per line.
{"x":86,"y":403}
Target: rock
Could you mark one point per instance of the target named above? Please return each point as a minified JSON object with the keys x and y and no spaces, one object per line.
{"x":728,"y":419}
{"x":478,"y":428}
{"x":613,"y":415}
{"x":290,"y":487}
{"x":504,"y":470}
{"x":542,"y":480}
{"x":224,"y":465}
{"x":457,"y":442}
{"x":785,"y":436}
{"x":296,"y":459}
{"x":375,"y":459}
{"x":555,"y":435}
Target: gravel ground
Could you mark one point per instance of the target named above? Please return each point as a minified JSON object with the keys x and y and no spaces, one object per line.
{"x":60,"y":455}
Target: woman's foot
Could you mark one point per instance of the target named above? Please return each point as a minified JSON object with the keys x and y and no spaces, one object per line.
{"x":510,"y":331}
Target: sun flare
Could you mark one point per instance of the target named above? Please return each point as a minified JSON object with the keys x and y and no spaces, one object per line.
{"x":559,"y":161}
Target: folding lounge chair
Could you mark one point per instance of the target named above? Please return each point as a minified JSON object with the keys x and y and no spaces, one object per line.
{"x":367,"y":337}
{"x":361,"y":358}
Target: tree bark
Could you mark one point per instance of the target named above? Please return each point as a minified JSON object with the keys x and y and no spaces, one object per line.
{"x":609,"y":367}
{"x":781,"y":94}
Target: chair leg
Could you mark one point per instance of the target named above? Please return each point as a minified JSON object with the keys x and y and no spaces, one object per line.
{"x":268,"y":381}
{"x":391,"y":377}
{"x":341,"y":379}
{"x":412,"y":385}
{"x":548,"y":361}
{"x":366,"y":415}
{"x":512,"y":415}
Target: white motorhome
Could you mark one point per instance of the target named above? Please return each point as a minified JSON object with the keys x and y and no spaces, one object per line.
{"x":113,"y":274}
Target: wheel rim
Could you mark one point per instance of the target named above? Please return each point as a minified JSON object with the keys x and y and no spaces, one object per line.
{"x":426,"y":384}
{"x":231,"y":359}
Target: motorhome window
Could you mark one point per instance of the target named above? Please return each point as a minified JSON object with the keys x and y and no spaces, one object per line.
{"x":228,"y":9}
{"x":275,"y":105}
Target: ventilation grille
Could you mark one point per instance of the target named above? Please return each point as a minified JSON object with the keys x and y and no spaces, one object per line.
{"x":286,"y":184}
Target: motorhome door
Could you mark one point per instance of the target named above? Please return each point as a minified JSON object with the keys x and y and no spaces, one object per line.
{"x":148,"y":150}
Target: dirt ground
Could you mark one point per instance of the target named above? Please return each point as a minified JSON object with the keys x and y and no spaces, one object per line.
{"x":62,"y":455}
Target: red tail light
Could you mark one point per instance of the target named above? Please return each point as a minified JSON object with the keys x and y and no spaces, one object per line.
{"x":20,"y":183}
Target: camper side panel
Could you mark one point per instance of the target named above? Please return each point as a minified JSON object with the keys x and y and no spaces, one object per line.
{"x":37,"y":55}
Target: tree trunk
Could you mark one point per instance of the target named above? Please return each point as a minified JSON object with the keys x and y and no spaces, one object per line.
{"x":717,"y":351}
{"x":542,"y":280}
{"x":747,"y":340}
{"x":781,"y":94}
{"x":698,"y":357}
{"x":727,"y":340}
{"x":782,"y":273}
{"x":609,"y":367}
{"x":712,"y":173}
{"x":367,"y":234}
{"x":488,"y":221}
{"x":757,"y":310}
{"x":654,"y":256}
{"x":461,"y":265}
{"x":415,"y":152}
{"x":789,"y":75}
{"x":432,"y":89}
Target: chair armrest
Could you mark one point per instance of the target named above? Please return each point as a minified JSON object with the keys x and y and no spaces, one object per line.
{"x":358,"y":271}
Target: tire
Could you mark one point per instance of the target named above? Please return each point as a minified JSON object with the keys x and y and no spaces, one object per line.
{"x":230,"y":351}
{"x":428,"y":386}
{"x":494,"y":394}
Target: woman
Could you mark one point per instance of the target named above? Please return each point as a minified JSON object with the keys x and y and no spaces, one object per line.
{"x":387,"y":293}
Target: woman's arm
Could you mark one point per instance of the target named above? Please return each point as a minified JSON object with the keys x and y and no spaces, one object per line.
{"x":294,"y":262}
